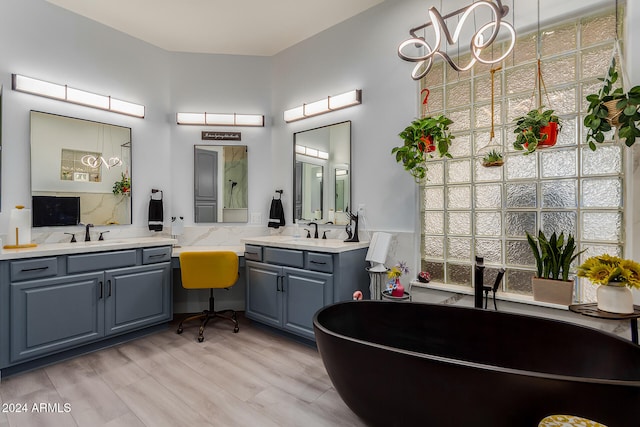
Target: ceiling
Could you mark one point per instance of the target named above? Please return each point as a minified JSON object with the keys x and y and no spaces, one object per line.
{"x":238,"y":27}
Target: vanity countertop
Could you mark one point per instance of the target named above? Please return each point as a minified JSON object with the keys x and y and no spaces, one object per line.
{"x":301,"y":243}
{"x":52,"y":249}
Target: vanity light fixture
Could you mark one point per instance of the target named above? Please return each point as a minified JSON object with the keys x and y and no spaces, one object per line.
{"x":330,"y":103}
{"x":212,"y":119}
{"x":76,"y":96}
{"x":311,"y":152}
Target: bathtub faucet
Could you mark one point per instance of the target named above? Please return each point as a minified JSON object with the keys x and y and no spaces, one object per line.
{"x":478,"y":282}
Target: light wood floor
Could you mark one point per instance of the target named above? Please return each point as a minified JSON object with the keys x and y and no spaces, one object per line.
{"x":252,"y":378}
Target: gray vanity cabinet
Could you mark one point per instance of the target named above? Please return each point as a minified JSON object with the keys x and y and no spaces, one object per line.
{"x":48,"y":315}
{"x":64,"y":302}
{"x":286,"y":297}
{"x":137,"y":297}
{"x":264,"y":300}
{"x":304,"y":293}
{"x":286,"y":287}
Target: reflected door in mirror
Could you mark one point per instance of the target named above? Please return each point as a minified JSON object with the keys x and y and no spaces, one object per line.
{"x":206,"y":184}
{"x":220,"y":183}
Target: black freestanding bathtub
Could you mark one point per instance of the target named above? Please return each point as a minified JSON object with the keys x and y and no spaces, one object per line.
{"x":413,"y":364}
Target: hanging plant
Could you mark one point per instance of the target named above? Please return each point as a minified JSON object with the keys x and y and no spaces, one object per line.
{"x":537,"y":129}
{"x":613,"y":108}
{"x":492,"y":159}
{"x":123,"y":186}
{"x":421,"y":138}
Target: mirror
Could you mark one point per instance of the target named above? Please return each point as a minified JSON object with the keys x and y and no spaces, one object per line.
{"x":76,"y":161}
{"x":221,"y":183}
{"x":322,"y":175}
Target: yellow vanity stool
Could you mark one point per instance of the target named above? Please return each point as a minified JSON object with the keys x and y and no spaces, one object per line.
{"x":209,"y":270}
{"x":568,"y":421}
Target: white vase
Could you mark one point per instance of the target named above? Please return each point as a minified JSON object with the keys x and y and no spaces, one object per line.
{"x":615,"y":297}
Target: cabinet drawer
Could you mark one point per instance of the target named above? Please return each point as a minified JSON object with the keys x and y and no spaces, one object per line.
{"x":34,"y":269}
{"x":253,"y":253}
{"x":100,"y":261}
{"x":155,"y":255}
{"x":289,"y":257}
{"x":319,"y":262}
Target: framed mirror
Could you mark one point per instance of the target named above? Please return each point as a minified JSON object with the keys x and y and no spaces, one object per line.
{"x":80,"y":171}
{"x":322,"y":174}
{"x":221,"y":183}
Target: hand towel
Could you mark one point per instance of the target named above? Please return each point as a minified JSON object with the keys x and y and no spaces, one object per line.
{"x":156,"y":215}
{"x":276,"y":214}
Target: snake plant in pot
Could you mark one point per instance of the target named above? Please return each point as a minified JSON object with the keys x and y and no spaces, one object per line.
{"x":421,"y":138}
{"x":553,"y":256}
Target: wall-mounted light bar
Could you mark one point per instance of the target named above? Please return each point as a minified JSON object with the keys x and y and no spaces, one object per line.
{"x":311,"y":152}
{"x":330,"y":103}
{"x":76,"y":96}
{"x":210,"y":119}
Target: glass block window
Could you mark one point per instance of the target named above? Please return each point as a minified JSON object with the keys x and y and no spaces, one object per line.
{"x":72,"y":168}
{"x":470,"y":210}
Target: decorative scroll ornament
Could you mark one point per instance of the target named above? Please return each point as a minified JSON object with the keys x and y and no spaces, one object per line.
{"x":94,"y":162}
{"x":476,"y":45}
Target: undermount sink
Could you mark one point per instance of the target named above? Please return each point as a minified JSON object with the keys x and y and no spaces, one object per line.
{"x":100,"y":242}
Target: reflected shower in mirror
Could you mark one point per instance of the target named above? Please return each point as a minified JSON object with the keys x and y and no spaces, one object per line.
{"x":221,"y":183}
{"x":79,"y":161}
{"x":322,"y":175}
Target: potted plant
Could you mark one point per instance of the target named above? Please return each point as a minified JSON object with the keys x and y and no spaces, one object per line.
{"x":492,"y":158}
{"x":553,"y":257}
{"x":615,"y":276}
{"x":394,"y":288}
{"x":539,"y":128}
{"x":421,"y":138}
{"x":123,"y":186}
{"x":613,"y":108}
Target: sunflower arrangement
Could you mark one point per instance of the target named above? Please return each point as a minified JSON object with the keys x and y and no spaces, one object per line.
{"x":603,"y":269}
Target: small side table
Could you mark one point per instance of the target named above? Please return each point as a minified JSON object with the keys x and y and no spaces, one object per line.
{"x":591,"y":310}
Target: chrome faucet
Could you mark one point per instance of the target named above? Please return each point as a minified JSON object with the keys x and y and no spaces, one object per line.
{"x":315,"y":235}
{"x":87,"y":236}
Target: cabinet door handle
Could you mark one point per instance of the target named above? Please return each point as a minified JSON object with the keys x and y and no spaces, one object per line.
{"x":282,"y":284}
{"x":35,"y":268}
{"x":101,"y":290}
{"x":109,"y":288}
{"x":278,"y":283}
{"x":157,"y":256}
{"x":317,"y":262}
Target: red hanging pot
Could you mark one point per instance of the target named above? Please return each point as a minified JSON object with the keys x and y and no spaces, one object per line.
{"x":426,"y":144}
{"x":551,"y":130}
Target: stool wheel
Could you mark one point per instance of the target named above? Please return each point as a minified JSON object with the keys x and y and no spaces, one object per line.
{"x":200,"y":339}
{"x":179,"y":331}
{"x":235,"y":330}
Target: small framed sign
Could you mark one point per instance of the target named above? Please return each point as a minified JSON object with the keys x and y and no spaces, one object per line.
{"x":221,"y":136}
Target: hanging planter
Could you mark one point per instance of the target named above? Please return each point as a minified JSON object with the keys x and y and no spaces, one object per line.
{"x":492,"y":154}
{"x":492,"y":159}
{"x":538,"y":129}
{"x":421,"y":138}
{"x":613,"y":108}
